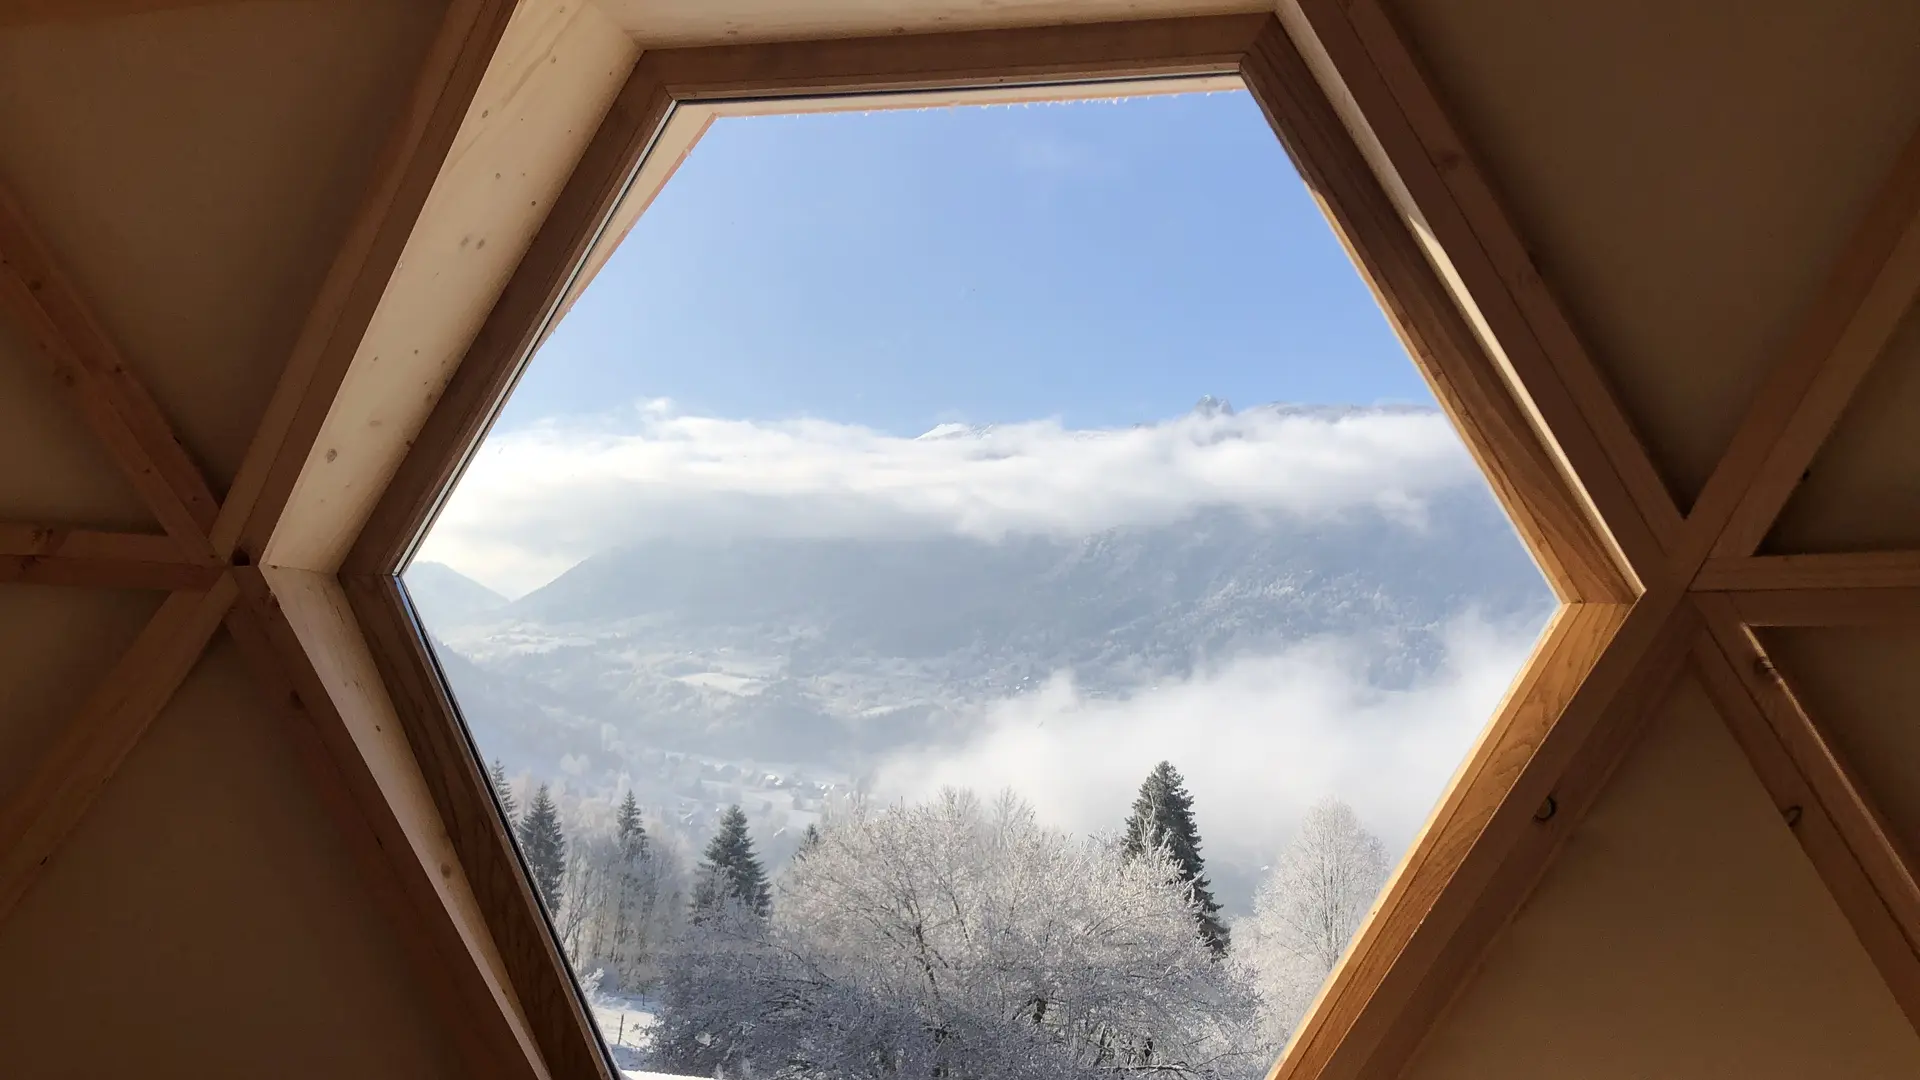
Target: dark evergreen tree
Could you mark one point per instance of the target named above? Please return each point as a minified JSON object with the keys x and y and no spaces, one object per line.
{"x":545,"y":847}
{"x":498,"y":775}
{"x":1163,"y":817}
{"x":809,"y":840}
{"x":730,"y":871}
{"x":629,"y":830}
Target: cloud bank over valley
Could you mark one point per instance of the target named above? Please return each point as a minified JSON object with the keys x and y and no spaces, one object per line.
{"x":539,"y":500}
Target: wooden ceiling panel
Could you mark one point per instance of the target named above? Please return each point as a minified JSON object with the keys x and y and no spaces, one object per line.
{"x":1861,"y":684}
{"x":208,"y":915}
{"x":1859,"y":494}
{"x":655,"y":23}
{"x":1680,"y":932}
{"x":55,"y":469}
{"x":59,"y":643}
{"x":193,"y":171}
{"x":1686,"y":174}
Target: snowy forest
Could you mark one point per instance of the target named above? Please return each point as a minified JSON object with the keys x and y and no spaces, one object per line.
{"x":957,"y":937}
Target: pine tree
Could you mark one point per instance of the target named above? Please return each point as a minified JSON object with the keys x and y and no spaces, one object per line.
{"x":1163,"y":816}
{"x":630,"y":830}
{"x":498,"y":775}
{"x":809,"y":840}
{"x":730,"y":871}
{"x":545,"y":847}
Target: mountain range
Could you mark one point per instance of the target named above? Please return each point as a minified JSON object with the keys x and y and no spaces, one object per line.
{"x":696,"y":670}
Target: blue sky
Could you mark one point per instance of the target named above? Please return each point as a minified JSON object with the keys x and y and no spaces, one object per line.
{"x":1099,"y":263}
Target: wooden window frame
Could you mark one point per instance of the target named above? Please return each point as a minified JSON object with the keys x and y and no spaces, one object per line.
{"x":308,"y":582}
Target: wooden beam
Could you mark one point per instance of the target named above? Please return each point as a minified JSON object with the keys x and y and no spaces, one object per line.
{"x":519,"y":321}
{"x":1037,"y":55}
{"x":1844,"y":836}
{"x":412,"y":157}
{"x":1841,"y":570}
{"x":1478,"y":248}
{"x":1867,"y":293}
{"x":1824,"y":607}
{"x":87,"y":365}
{"x":1528,"y":478}
{"x":57,"y":555}
{"x":38,"y":816}
{"x":473,"y":819}
{"x":304,"y":646}
{"x":557,"y":69}
{"x":1577,"y":708}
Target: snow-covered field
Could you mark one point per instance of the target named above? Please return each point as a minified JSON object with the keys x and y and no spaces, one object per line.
{"x":627,"y":1025}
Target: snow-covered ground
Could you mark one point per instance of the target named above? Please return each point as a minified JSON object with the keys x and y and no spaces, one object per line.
{"x":627,"y":1025}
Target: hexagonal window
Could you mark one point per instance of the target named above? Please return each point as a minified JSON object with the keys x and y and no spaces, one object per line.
{"x":977,"y":589}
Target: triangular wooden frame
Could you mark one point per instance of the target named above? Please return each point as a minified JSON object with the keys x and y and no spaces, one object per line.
{"x":1648,"y":591}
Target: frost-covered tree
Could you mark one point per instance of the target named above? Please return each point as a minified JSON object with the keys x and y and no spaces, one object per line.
{"x":587,"y":889}
{"x":809,"y":840}
{"x":623,"y":900}
{"x":629,"y":829}
{"x":1307,"y":909}
{"x":960,"y":940}
{"x":498,"y":775}
{"x":1162,"y":818}
{"x":545,"y":846}
{"x":730,"y":872}
{"x":630,"y":857}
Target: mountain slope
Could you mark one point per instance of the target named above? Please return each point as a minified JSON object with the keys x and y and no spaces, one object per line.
{"x":835,"y":651}
{"x":445,"y":596}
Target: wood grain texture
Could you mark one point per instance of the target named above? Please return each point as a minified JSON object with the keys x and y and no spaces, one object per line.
{"x":1824,"y":607}
{"x":557,"y":69}
{"x":57,"y":555}
{"x":310,"y":665}
{"x":1525,"y":474}
{"x":1869,"y":290}
{"x":412,"y":158}
{"x":1843,"y":834}
{"x":659,"y":24}
{"x":36,"y":296}
{"x":474,"y":822}
{"x":1842,"y":570}
{"x":519,"y":321}
{"x":1474,"y":238}
{"x":1565,"y":724}
{"x":40,"y":815}
{"x":1083,"y":54}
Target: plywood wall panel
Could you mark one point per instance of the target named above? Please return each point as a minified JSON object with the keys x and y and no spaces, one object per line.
{"x":1862,"y":492}
{"x":1685,"y":173}
{"x":1862,"y":685}
{"x":206,"y":920}
{"x":193,"y":171}
{"x":52,"y":469}
{"x":1681,"y":933}
{"x":55,"y":646}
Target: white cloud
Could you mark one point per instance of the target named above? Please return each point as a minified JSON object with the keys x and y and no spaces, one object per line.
{"x":538,"y":500}
{"x":1258,"y":740}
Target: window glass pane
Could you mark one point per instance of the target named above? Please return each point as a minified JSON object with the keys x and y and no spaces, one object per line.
{"x":976,"y":592}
